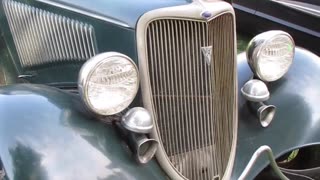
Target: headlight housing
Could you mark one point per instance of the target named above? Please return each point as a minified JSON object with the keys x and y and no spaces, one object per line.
{"x":108,"y":83}
{"x":270,"y":54}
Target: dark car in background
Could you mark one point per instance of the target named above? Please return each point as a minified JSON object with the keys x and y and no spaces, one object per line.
{"x":300,"y":18}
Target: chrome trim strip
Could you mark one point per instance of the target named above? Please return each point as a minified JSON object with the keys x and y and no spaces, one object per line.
{"x":192,"y":12}
{"x":259,"y":152}
{"x":286,"y":23}
{"x":83,"y":12}
{"x":243,"y":8}
{"x":294,"y":5}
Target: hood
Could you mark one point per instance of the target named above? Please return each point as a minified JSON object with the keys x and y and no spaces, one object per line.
{"x":125,"y":12}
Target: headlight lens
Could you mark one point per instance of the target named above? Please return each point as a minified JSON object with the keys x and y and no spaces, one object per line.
{"x":270,"y":54}
{"x":108,"y":83}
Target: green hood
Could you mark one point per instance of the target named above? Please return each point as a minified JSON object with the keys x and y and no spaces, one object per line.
{"x":124,"y":11}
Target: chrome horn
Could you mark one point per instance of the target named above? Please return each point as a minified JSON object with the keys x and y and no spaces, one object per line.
{"x":134,"y":125}
{"x":256,"y":91}
{"x":142,"y":147}
{"x":265,"y":113}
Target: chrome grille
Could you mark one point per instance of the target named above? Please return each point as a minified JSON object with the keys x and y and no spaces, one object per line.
{"x":193,"y":101}
{"x":43,"y":37}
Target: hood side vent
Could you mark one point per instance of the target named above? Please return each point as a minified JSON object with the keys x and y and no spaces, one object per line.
{"x":42,"y":37}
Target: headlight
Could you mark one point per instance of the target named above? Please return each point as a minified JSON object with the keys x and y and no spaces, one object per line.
{"x":108,"y":83}
{"x":270,"y":54}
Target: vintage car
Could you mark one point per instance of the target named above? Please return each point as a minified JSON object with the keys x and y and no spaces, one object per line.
{"x":149,"y":90}
{"x":300,"y":18}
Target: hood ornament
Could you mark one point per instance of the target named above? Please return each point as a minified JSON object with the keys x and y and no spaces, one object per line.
{"x":207,"y":53}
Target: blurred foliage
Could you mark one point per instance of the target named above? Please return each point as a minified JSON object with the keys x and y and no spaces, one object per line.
{"x":27,"y":163}
{"x":242,"y":41}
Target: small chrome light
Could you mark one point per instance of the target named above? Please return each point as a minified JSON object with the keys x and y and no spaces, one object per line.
{"x":137,"y":120}
{"x":255,"y":90}
{"x":108,"y":83}
{"x":270,"y":54}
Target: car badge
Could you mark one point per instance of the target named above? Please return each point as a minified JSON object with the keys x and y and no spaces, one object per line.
{"x":206,"y":14}
{"x":207,"y":53}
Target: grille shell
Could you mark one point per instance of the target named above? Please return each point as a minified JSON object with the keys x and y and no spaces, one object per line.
{"x":178,"y":98}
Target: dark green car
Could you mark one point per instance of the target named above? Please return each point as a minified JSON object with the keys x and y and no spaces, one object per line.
{"x":120,"y":89}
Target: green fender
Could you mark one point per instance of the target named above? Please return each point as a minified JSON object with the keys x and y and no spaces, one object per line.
{"x":45,"y":133}
{"x":297,"y":120}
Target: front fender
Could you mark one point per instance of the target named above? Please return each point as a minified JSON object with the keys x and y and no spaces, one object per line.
{"x":45,"y":133}
{"x":297,"y":120}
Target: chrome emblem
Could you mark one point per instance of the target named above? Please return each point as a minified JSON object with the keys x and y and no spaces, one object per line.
{"x":206,"y":14}
{"x":207,"y":53}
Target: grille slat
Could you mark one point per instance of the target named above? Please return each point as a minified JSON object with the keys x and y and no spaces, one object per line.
{"x":193,"y":100}
{"x":47,"y":39}
{"x":43,"y":37}
{"x":179,"y":89}
{"x":212,"y":123}
{"x":193,"y":90}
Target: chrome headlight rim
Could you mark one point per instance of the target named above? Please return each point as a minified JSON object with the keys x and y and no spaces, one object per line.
{"x":259,"y":41}
{"x":88,"y":69}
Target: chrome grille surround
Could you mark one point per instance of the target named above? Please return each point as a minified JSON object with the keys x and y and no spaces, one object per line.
{"x":43,"y":37}
{"x":175,"y":102}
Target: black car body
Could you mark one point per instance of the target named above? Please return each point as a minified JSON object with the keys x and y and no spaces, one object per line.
{"x":301,"y":18}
